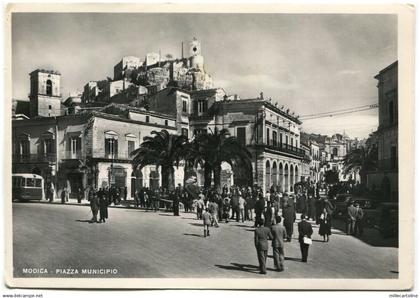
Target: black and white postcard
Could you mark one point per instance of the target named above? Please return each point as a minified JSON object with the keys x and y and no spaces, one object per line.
{"x":210,"y":146}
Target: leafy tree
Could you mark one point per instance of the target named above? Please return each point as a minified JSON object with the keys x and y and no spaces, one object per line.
{"x":214,"y":148}
{"x":161,"y":149}
{"x":361,"y":160}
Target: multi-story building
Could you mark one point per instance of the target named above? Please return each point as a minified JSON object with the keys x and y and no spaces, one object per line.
{"x":89,"y":147}
{"x":271,"y":134}
{"x":386,"y":137}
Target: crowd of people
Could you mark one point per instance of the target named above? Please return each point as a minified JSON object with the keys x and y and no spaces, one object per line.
{"x":272,"y":214}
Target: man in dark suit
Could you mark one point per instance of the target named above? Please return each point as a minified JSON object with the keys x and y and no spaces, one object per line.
{"x":305,"y":230}
{"x":261,"y":236}
{"x":279,"y":233}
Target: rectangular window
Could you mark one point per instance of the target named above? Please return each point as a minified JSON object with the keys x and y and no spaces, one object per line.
{"x":111,"y":148}
{"x":291,"y":142}
{"x":184,"y":132}
{"x":131,"y":146}
{"x":38,"y":182}
{"x":24,"y":148}
{"x":147,"y":119}
{"x":48,"y":146}
{"x":281,"y":139}
{"x":30,"y":182}
{"x":184,"y":106}
{"x":274,"y":138}
{"x":267,"y":141}
{"x":241,"y":135}
{"x":166,"y":122}
{"x":75,"y":147}
{"x":287,"y":140}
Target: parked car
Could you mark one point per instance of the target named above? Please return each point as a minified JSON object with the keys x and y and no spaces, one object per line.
{"x":341,"y":203}
{"x":370,"y":211}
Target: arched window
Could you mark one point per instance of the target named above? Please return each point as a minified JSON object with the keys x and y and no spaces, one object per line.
{"x":267,"y":175}
{"x":335,"y":151}
{"x":49,"y":87}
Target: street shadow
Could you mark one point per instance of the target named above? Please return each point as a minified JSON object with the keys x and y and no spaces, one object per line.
{"x":292,"y":259}
{"x":250,"y":230}
{"x":241,"y":226}
{"x":195,"y":235}
{"x":163,"y":214}
{"x":371,"y":236}
{"x":315,"y":240}
{"x":196,"y":224}
{"x":84,"y":220}
{"x":240,"y":267}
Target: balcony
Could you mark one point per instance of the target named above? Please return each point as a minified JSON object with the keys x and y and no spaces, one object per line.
{"x":35,"y":158}
{"x":73,"y":154}
{"x":285,"y":148}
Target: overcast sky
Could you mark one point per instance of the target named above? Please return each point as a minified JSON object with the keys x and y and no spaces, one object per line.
{"x":309,"y":63}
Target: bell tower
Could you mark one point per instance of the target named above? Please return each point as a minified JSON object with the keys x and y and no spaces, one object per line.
{"x":195,"y":47}
{"x":45,"y":96}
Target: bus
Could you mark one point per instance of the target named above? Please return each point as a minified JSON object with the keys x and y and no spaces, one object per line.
{"x":27,"y":187}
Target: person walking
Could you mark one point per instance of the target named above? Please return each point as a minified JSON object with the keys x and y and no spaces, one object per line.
{"x":206,"y":222}
{"x":241,"y":206}
{"x":213,"y":209}
{"x":279,"y":233}
{"x":79,"y":195}
{"x":235,"y":205}
{"x":226,"y":207}
{"x":259,"y":208}
{"x":51,"y":192}
{"x":325,"y":225}
{"x":305,"y":233}
{"x":359,"y":220}
{"x":289,"y":216}
{"x":103,"y":206}
{"x":261,"y":236}
{"x":63,"y":196}
{"x":94,"y":204}
{"x":200,"y":205}
{"x":175,"y":202}
{"x":351,"y":218}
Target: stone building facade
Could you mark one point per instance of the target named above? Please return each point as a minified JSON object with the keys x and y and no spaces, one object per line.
{"x":386,"y":137}
{"x":89,"y":148}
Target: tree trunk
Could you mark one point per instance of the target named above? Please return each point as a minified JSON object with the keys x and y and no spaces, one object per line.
{"x":168,"y":177}
{"x":217,"y":177}
{"x":207,"y":175}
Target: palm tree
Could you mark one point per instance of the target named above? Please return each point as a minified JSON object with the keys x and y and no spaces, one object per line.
{"x":217,"y":147}
{"x":361,"y":160}
{"x":161,"y":149}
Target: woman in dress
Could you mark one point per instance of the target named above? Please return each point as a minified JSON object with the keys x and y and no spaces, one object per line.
{"x":325,"y":225}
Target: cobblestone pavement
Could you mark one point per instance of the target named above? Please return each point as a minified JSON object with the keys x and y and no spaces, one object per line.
{"x":136,"y":243}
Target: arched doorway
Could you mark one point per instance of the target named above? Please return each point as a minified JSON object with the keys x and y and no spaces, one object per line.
{"x":133,"y":184}
{"x":281,"y":177}
{"x":291,"y":178}
{"x":274,"y":175}
{"x":267,"y":176}
{"x":286,"y":178}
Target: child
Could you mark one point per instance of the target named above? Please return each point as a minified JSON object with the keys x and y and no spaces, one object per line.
{"x":206,"y":222}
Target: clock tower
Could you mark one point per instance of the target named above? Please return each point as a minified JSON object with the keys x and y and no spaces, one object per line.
{"x":45,"y":96}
